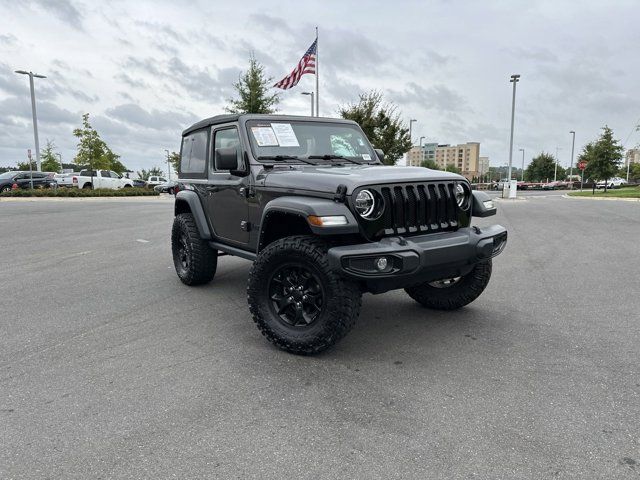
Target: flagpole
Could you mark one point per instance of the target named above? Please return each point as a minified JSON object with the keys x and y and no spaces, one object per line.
{"x":317,"y":82}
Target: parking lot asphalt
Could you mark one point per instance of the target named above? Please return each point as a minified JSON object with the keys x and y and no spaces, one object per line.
{"x":111,"y":368}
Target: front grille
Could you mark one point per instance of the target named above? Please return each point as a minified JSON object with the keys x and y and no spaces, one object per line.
{"x":418,"y":208}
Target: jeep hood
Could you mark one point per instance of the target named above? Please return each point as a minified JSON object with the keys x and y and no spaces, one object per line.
{"x":326,"y":178}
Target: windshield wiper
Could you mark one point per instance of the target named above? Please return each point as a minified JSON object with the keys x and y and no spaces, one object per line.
{"x":280,"y":158}
{"x":335,"y":157}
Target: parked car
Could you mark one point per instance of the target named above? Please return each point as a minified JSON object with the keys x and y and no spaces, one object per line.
{"x":611,"y":183}
{"x":101,"y":179}
{"x":22,"y":179}
{"x":65,"y":179}
{"x":139,"y":183}
{"x":167,"y":187}
{"x":154,"y":180}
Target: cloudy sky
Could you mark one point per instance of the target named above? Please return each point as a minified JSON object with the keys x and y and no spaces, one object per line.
{"x":145,"y":70}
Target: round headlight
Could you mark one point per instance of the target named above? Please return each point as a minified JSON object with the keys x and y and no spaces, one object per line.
{"x":365,"y":203}
{"x":461,"y":195}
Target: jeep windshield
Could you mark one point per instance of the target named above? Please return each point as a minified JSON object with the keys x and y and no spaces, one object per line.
{"x":308,"y":142}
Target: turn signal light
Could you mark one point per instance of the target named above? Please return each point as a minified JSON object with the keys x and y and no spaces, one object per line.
{"x":329,"y":221}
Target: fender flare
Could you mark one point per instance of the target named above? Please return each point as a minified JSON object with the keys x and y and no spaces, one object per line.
{"x":305,"y":206}
{"x":195,"y":206}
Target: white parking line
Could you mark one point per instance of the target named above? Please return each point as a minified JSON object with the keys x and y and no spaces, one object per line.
{"x":142,"y":240}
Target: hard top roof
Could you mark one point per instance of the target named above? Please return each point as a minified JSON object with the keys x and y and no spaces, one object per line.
{"x":219,"y":119}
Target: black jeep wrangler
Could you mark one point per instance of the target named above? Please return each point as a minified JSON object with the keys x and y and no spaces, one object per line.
{"x":308,"y":200}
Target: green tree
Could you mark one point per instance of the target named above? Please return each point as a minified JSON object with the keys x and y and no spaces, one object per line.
{"x":429,"y":164}
{"x":453,"y":169}
{"x":603,"y":156}
{"x":174,"y":160}
{"x":634,"y":172}
{"x":252,"y":88}
{"x":381,"y":123}
{"x":49,"y":158}
{"x":543,"y":168}
{"x":93,"y":151}
{"x":24,"y":166}
{"x":152,"y":172}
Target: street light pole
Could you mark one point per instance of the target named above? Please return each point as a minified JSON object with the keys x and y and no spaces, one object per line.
{"x":168,"y":165}
{"x":311,"y":95}
{"x":514,"y":79}
{"x":522,"y":150}
{"x":573,"y":143}
{"x":410,"y":128}
{"x":33,"y":112}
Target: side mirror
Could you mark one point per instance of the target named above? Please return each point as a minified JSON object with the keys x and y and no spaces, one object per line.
{"x":483,"y":205}
{"x":226,"y":158}
{"x":380,"y":154}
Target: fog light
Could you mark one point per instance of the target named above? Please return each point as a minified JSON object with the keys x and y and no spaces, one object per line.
{"x":381,"y":263}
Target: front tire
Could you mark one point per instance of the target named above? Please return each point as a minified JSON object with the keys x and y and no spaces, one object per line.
{"x":195,"y":261}
{"x":454,"y":293}
{"x":298,"y":302}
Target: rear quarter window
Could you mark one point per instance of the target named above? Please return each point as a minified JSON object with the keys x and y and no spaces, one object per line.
{"x":194,"y":154}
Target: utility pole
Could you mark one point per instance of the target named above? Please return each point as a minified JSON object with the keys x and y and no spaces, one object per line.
{"x":573,"y":143}
{"x":522,"y":150}
{"x":410,"y":128}
{"x":168,"y":165}
{"x":33,"y":113}
{"x":514,"y":79}
{"x":555,"y":170}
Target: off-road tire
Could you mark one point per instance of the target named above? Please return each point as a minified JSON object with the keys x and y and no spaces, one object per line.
{"x":201,"y":259}
{"x":461,"y":293}
{"x":341,"y":300}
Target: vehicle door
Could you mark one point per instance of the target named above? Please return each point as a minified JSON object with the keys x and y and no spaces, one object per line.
{"x":117,"y":180}
{"x":226,"y":202}
{"x":105,"y":180}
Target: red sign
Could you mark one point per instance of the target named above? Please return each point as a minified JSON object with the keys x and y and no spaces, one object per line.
{"x":582,"y":165}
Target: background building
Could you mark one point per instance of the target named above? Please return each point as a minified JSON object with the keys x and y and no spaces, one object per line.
{"x":483,"y":166}
{"x":419,"y":154}
{"x":465,"y":157}
{"x":633,"y":156}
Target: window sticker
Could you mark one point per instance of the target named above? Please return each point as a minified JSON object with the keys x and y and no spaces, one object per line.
{"x":285,"y":134}
{"x":264,"y":136}
{"x":366,"y":156}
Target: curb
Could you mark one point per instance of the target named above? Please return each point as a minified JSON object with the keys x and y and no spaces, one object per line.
{"x":159,"y":198}
{"x":605,"y":199}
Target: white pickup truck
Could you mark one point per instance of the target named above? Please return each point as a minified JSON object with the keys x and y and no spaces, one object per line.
{"x":101,"y":179}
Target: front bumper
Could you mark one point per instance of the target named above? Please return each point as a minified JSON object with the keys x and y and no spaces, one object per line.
{"x":417,"y":259}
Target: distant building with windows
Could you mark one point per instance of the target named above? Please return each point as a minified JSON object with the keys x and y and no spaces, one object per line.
{"x":633,"y":156}
{"x":483,"y":166}
{"x":419,"y":154}
{"x":465,"y":157}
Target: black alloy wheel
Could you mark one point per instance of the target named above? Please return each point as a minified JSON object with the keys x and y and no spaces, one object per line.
{"x":296,"y":294}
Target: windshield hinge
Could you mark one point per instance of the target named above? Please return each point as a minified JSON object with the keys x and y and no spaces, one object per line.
{"x":341,"y":194}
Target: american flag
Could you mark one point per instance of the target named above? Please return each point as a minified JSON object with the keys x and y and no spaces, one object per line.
{"x":307,"y":64}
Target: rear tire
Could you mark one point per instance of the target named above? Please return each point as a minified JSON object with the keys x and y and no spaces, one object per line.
{"x":297,"y":301}
{"x":195,"y":261}
{"x":86,"y":186}
{"x":461,"y":291}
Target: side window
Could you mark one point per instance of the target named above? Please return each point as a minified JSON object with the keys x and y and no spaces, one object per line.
{"x":227,"y":138}
{"x":162,"y":179}
{"x":194,"y":153}
{"x":105,"y":173}
{"x":114,"y":174}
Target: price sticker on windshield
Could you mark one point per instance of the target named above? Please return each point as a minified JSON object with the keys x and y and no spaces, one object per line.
{"x":285,"y":134}
{"x":265,"y":137}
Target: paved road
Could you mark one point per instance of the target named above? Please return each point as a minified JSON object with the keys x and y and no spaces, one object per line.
{"x":111,"y":368}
